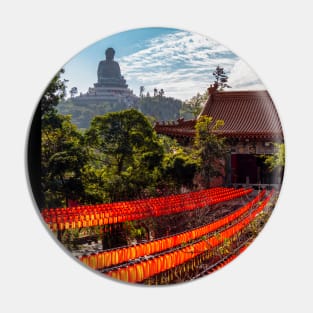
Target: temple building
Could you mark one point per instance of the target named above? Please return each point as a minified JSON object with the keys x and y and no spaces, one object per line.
{"x":251,"y":127}
{"x":111,"y":86}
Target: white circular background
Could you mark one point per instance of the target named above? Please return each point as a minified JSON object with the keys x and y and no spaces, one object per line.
{"x":37,"y":38}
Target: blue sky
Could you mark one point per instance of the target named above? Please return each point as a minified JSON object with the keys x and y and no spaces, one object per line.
{"x":178,"y":61}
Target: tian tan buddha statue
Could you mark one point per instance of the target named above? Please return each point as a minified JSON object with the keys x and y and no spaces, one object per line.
{"x":109,"y":73}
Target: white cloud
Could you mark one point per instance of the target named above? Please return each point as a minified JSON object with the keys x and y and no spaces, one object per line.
{"x":242,"y":77}
{"x":181,"y":63}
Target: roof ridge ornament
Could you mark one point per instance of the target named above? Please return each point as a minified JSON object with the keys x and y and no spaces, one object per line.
{"x":213,"y":88}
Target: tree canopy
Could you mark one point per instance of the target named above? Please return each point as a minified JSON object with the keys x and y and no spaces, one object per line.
{"x":276,"y":160}
{"x":192,"y":108}
{"x":53,"y":94}
{"x":62,"y":159}
{"x":221,"y":78}
{"x":129,"y":151}
{"x":210,"y":148}
{"x":160,"y":107}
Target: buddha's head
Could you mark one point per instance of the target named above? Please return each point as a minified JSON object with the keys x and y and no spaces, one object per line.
{"x":109,"y":54}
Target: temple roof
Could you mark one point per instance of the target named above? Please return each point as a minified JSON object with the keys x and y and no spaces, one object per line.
{"x":246,"y":114}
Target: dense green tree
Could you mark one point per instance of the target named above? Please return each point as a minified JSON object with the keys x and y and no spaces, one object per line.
{"x":160,"y":107}
{"x":141,"y":90}
{"x":61,"y":150}
{"x":277,"y":159}
{"x":179,"y":170}
{"x":193,"y":107}
{"x":94,"y":181}
{"x":180,"y":165}
{"x":276,"y":162}
{"x":210,"y":148}
{"x":53,"y":94}
{"x":73,"y":91}
{"x":45,"y":117}
{"x":127,"y":147}
{"x":62,"y":158}
{"x":221,"y":78}
{"x":161,"y":92}
{"x":83,"y":114}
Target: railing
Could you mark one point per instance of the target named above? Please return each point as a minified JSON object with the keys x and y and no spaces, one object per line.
{"x":257,"y":186}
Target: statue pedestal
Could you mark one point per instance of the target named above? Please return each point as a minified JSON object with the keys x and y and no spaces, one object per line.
{"x":97,"y":95}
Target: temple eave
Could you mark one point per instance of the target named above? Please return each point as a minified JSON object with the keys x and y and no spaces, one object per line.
{"x":239,"y":135}
{"x":246,"y":115}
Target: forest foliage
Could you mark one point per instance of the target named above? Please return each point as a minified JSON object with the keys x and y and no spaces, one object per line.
{"x":118,"y":156}
{"x":158,"y":108}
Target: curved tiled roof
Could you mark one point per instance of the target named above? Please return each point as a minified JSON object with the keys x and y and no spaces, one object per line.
{"x":246,"y":114}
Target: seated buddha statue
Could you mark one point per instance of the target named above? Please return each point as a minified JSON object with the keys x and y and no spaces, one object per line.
{"x":109,"y":73}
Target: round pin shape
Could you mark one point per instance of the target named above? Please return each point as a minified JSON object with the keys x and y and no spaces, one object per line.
{"x":155,"y":156}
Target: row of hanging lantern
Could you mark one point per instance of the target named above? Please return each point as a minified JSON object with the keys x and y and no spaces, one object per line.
{"x":141,"y":205}
{"x":195,"y":265}
{"x":143,"y":270}
{"x":118,"y":212}
{"x":114,"y":257}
